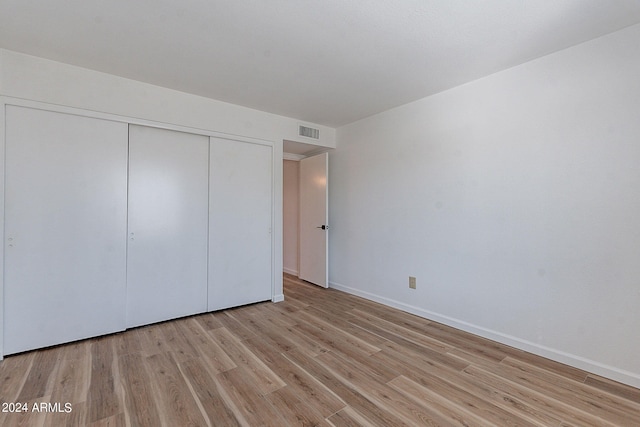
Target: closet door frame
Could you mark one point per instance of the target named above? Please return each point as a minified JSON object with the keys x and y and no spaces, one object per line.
{"x":276,"y":184}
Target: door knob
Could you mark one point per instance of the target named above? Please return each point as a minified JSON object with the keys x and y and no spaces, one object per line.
{"x":324,"y":227}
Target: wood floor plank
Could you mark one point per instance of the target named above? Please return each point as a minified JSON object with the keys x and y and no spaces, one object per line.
{"x":174,"y":338}
{"x":397,"y":317}
{"x":40,"y":374}
{"x":261,"y":376}
{"x":368,"y":365}
{"x":613,"y":387}
{"x":322,"y":358}
{"x":448,"y":386}
{"x":72,"y":381}
{"x":447,"y":413}
{"x":232,"y":325}
{"x":178,"y":408}
{"x":580,"y":395}
{"x":365,"y":407}
{"x":207,"y":348}
{"x":62,"y":419}
{"x":314,"y":393}
{"x":138,"y":394}
{"x":77,"y":417}
{"x":527,"y":407}
{"x":26,"y":419}
{"x":13,"y":374}
{"x":253,"y":406}
{"x":544,"y":405}
{"x":208,"y":321}
{"x":342,"y":322}
{"x":404,"y":360}
{"x":482,"y":389}
{"x":421,"y":339}
{"x":469,"y":358}
{"x":434,"y":355}
{"x":384,"y":396}
{"x":465,"y":341}
{"x":80,"y":349}
{"x":302,"y":340}
{"x":263,"y":328}
{"x":209,"y":393}
{"x":347,"y":417}
{"x":118,"y":420}
{"x":102,"y":397}
{"x":334,"y":338}
{"x":287,"y":306}
{"x":329,"y":310}
{"x":558,"y":368}
{"x":152,"y":340}
{"x":293,"y":409}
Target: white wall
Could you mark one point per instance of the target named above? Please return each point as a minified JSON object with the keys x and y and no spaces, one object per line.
{"x":514,"y":200}
{"x":38,"y":79}
{"x":290,"y":173}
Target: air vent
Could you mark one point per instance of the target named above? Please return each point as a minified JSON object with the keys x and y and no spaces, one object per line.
{"x":309,"y":132}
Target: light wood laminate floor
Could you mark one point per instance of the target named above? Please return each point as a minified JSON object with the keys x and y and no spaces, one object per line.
{"x":322,"y":357}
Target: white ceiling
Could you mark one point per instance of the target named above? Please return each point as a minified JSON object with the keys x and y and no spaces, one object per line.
{"x":329,"y":62}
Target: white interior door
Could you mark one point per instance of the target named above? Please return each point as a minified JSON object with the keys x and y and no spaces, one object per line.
{"x":240,"y":244}
{"x":66,"y":219}
{"x":314,"y":220}
{"x":168,"y":224}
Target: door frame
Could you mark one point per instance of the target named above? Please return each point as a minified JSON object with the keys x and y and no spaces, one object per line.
{"x":311,"y":150}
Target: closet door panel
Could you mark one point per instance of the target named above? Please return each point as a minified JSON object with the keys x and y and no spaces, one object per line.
{"x":168,"y":225}
{"x":65,"y":227}
{"x":240,"y":245}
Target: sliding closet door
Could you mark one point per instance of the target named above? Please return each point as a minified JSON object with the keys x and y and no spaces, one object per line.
{"x":240,"y":227}
{"x":65,"y":229}
{"x":168,"y":224}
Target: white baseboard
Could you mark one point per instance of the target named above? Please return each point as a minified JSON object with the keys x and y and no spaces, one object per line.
{"x":289,"y":271}
{"x":626,"y":377}
{"x":278,"y":298}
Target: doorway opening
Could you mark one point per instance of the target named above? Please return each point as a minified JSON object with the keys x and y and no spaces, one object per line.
{"x":305,"y":212}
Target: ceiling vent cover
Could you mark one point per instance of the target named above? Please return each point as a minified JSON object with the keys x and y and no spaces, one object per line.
{"x":308,"y":132}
